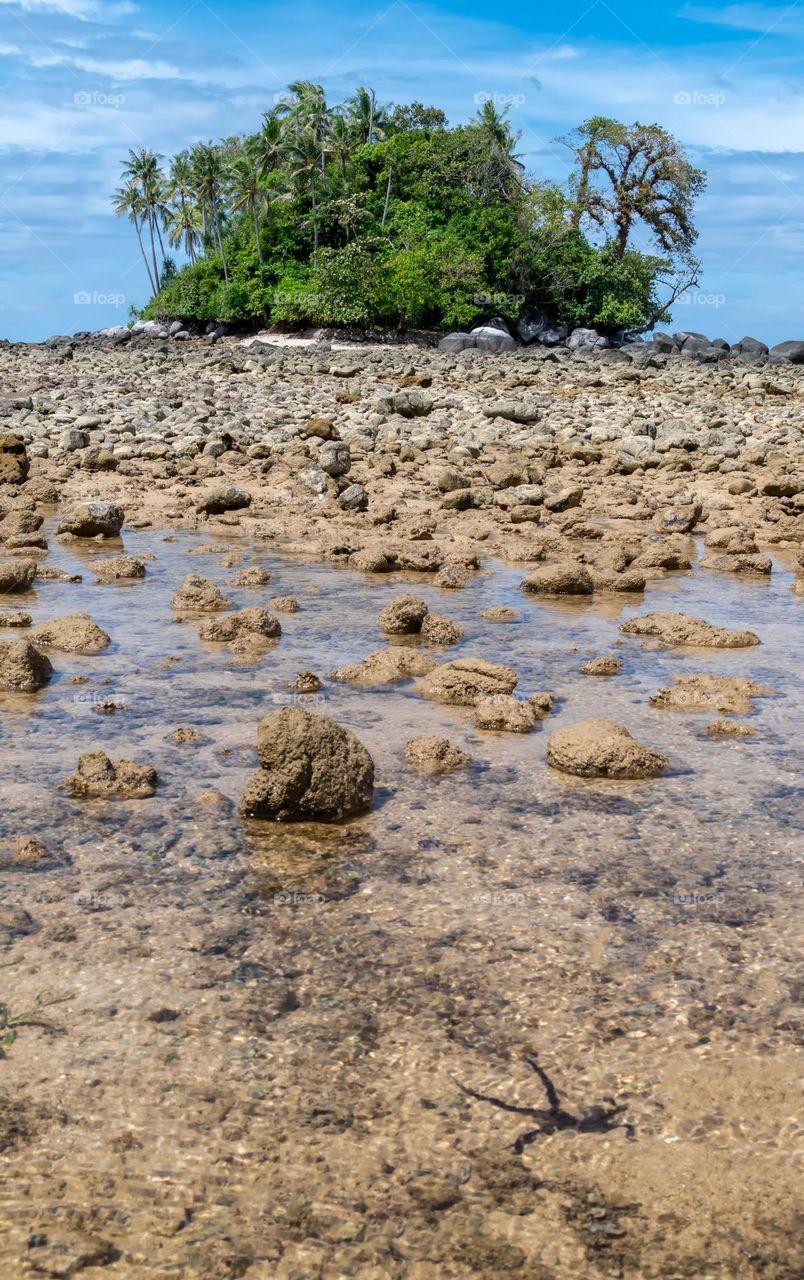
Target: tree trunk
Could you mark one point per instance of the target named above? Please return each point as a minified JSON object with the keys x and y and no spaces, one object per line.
{"x":137,"y":228}
{"x":387,"y":195}
{"x":217,"y":227}
{"x":257,"y":231}
{"x":153,"y":249}
{"x":315,"y":221}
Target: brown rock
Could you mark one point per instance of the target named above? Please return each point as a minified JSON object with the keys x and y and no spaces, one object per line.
{"x":92,"y":520}
{"x":312,"y":769}
{"x":503,"y":713}
{"x":284,"y":604}
{"x":76,"y":633}
{"x":757,"y":564}
{"x":435,"y":756}
{"x":466,"y":680}
{"x":685,"y":629}
{"x":498,"y":613}
{"x":710,"y":693}
{"x":253,"y":621}
{"x":565,"y":579}
{"x":22,"y":667}
{"x":254,"y":576}
{"x":386,"y":666}
{"x":14,"y":463}
{"x":198,"y":595}
{"x":118,"y":569}
{"x":100,"y":778}
{"x":16,"y":575}
{"x":403,"y":615}
{"x":441,"y":631}
{"x":602,"y":667}
{"x":602,"y":749}
{"x":729,"y":729}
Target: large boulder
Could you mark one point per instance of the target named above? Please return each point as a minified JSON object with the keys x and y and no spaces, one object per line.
{"x":489,"y":338}
{"x":749,"y":347}
{"x":532,"y":323}
{"x":791,"y":351}
{"x":457,"y":342}
{"x":92,"y":520}
{"x":76,"y":633}
{"x":565,"y":579}
{"x":311,"y":769}
{"x":13,"y":459}
{"x":23,"y":669}
{"x":602,"y":749}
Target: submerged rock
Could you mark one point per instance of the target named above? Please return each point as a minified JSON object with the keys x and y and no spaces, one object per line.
{"x":710,"y":693}
{"x":505,"y":714}
{"x":435,"y":755}
{"x":686,"y":629}
{"x":729,"y":729}
{"x":100,"y":778}
{"x":23,"y":668}
{"x":602,"y":667}
{"x":311,"y":769}
{"x":251,"y":621}
{"x":602,"y":749}
{"x":386,"y":666}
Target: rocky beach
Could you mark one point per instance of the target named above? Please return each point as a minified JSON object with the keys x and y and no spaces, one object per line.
{"x":402,"y":807}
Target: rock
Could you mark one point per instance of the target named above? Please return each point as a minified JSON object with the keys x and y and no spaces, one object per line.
{"x":436,"y":629}
{"x":565,"y":499}
{"x":314,"y":479}
{"x":306,"y":682}
{"x":334,"y":459}
{"x":403,"y":616}
{"x":729,"y":729}
{"x":465,"y":681}
{"x":791,"y":351}
{"x":434,"y":756}
{"x":73,"y":439}
{"x":92,"y":520}
{"x":311,"y":769}
{"x":505,"y":714}
{"x":75,"y":633}
{"x":23,"y":668}
{"x":602,"y":749}
{"x":755,"y":564}
{"x":229,"y":498}
{"x":449,"y":480}
{"x":249,"y":622}
{"x":16,"y":575}
{"x":409,"y":404}
{"x":386,"y":666}
{"x":14,"y":464}
{"x":679,"y":519}
{"x":284,"y":604}
{"x":488,"y":338}
{"x":26,"y":854}
{"x":100,"y":778}
{"x":354,"y":498}
{"x":565,"y":579}
{"x":198,"y":595}
{"x":456,"y":342}
{"x":661,"y":556}
{"x":602,"y":667}
{"x":532,"y":323}
{"x":684,"y":629}
{"x":118,"y":569}
{"x":749,"y":346}
{"x":499,"y":613}
{"x":710,"y":693}
{"x":98,"y":459}
{"x":254,"y":576}
{"x":321,"y":429}
{"x":14,"y":618}
{"x":514,"y":411}
{"x":519,"y":495}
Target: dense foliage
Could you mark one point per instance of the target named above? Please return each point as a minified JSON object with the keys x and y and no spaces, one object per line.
{"x":363,"y":215}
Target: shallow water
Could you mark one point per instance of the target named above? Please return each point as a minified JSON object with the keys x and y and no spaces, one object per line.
{"x":329,"y":982}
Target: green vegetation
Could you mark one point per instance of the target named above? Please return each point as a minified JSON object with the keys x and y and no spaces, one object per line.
{"x":376,"y":216}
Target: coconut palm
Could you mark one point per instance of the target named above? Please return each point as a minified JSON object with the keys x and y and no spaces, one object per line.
{"x":368,"y":118}
{"x":269,"y":144}
{"x":183,"y":227}
{"x":245,"y":192}
{"x":501,"y":168}
{"x":340,"y":139}
{"x":142,"y":169}
{"x":209,"y":175}
{"x":128,"y":201}
{"x":303,"y":161}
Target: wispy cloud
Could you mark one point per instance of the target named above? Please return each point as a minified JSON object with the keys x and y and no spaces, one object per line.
{"x":759,"y":18}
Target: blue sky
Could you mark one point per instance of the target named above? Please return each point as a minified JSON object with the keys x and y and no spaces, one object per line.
{"x":83,"y":81}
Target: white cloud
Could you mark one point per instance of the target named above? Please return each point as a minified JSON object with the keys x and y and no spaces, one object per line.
{"x":747,"y":17}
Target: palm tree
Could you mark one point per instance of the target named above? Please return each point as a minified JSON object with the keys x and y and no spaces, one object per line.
{"x":269,"y":144}
{"x":245,"y":190}
{"x":183,"y":226}
{"x":128,"y":201}
{"x":307,"y":114}
{"x":303,"y":157}
{"x":502,"y":170}
{"x":208,"y":178}
{"x":340,"y":139}
{"x":142,"y":169}
{"x":181,"y":191}
{"x":368,"y":118}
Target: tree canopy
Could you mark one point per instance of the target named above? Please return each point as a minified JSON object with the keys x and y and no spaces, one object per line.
{"x":374,"y":214}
